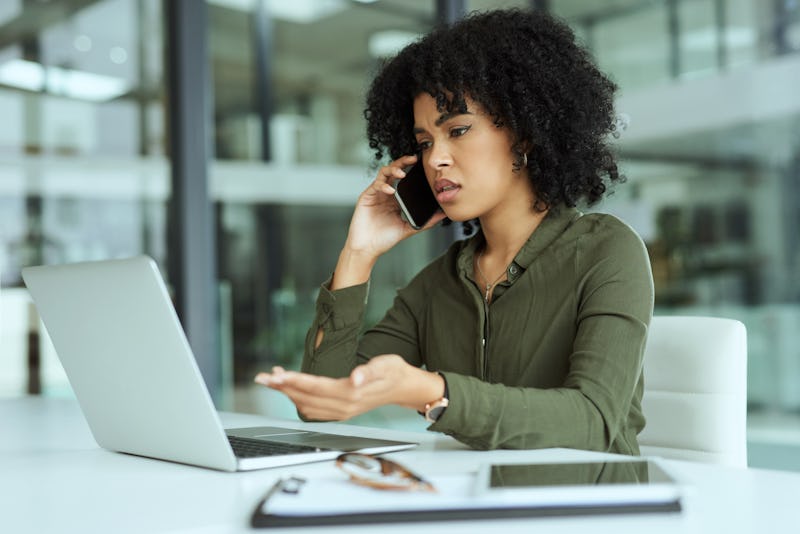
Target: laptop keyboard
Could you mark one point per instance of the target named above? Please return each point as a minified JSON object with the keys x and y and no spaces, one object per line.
{"x":250,"y":448}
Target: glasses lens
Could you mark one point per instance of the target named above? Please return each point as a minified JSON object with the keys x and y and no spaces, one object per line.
{"x":359,"y":464}
{"x":377,"y":472}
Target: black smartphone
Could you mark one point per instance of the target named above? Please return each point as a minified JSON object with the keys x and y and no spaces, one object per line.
{"x":416,"y":199}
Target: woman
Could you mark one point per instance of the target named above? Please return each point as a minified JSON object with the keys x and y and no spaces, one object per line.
{"x":530,"y":333}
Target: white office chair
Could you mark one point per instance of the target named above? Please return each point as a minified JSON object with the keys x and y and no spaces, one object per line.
{"x":695,"y":390}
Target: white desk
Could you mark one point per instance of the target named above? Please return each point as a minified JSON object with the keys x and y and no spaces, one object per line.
{"x":54,"y":478}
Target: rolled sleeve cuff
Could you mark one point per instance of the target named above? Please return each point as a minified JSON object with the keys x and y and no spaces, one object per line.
{"x":341,"y":308}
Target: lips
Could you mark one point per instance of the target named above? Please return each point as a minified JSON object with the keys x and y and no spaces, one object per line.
{"x":445,"y":190}
{"x":442,"y":185}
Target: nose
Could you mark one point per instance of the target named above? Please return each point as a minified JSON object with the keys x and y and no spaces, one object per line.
{"x":439,"y":157}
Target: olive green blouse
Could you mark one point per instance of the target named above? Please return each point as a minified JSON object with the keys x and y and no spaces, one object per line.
{"x":555,"y":360}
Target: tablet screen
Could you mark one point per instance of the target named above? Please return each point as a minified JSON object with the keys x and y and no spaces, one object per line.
{"x":628,"y":484}
{"x":576,"y":474}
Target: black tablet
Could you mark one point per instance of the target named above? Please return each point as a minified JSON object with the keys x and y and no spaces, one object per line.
{"x":618,"y":482}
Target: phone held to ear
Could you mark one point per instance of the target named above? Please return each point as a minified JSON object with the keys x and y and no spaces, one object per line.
{"x":416,"y":199}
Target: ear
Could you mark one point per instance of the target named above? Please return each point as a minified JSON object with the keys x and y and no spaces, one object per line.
{"x":520,"y":150}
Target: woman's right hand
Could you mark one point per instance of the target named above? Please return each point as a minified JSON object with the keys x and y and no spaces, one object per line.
{"x":376,"y":226}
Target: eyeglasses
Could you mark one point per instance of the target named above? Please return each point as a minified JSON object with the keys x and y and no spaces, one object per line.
{"x":380,"y":473}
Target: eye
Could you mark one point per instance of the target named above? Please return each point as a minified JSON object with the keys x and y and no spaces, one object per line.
{"x":459,"y":131}
{"x":423,"y":145}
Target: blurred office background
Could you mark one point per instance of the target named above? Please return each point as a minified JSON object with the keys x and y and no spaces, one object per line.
{"x":226,"y":140}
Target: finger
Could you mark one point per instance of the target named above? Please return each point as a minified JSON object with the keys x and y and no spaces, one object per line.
{"x":262,"y":378}
{"x":362,"y":375}
{"x":405,"y":161}
{"x":276,"y":377}
{"x":357,"y":377}
{"x":267,"y":379}
{"x":321,"y":386}
{"x":396,"y":169}
{"x":388,"y":175}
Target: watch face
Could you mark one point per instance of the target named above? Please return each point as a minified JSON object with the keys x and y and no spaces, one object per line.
{"x":434,"y":411}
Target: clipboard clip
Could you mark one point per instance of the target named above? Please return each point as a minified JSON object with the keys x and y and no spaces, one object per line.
{"x":291,"y":485}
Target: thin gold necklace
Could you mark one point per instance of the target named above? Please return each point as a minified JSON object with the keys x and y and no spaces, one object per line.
{"x":485,"y":279}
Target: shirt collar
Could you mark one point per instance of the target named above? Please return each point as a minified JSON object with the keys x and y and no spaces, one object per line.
{"x":552,"y":226}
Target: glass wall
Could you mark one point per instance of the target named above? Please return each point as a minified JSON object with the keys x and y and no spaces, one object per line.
{"x":82,"y":173}
{"x":711,"y":154}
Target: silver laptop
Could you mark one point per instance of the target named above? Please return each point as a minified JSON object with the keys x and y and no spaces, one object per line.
{"x":124,"y":351}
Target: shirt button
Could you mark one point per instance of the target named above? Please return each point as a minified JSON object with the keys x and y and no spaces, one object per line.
{"x":513,"y":269}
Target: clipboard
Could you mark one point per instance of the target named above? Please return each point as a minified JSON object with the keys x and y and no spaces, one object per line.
{"x":333,"y":500}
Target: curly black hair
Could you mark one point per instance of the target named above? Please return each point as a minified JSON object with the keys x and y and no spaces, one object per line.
{"x":529,"y":74}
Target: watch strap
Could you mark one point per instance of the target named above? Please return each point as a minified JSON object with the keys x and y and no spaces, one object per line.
{"x":435,"y":409}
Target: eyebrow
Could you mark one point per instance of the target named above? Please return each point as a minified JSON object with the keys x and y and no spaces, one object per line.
{"x":444,"y":117}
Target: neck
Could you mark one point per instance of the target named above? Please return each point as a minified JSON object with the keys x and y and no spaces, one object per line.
{"x":506,"y":235}
{"x":504,"y":239}
{"x":508,"y":225}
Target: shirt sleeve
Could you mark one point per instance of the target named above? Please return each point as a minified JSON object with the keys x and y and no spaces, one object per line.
{"x":339,"y":313}
{"x":614,"y":303}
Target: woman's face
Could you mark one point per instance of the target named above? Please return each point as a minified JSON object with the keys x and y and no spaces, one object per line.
{"x":468,"y":161}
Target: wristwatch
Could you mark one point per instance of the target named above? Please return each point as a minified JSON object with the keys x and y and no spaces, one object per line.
{"x":435,"y":409}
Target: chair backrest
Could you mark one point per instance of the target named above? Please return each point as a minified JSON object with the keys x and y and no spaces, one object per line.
{"x":695,"y":390}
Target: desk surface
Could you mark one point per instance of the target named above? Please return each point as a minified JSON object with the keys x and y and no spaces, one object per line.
{"x":54,"y":478}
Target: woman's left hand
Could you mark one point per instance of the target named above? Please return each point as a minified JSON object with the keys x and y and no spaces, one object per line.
{"x":385,"y":379}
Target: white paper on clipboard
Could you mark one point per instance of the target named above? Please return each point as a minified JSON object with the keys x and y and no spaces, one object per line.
{"x":333,"y":494}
